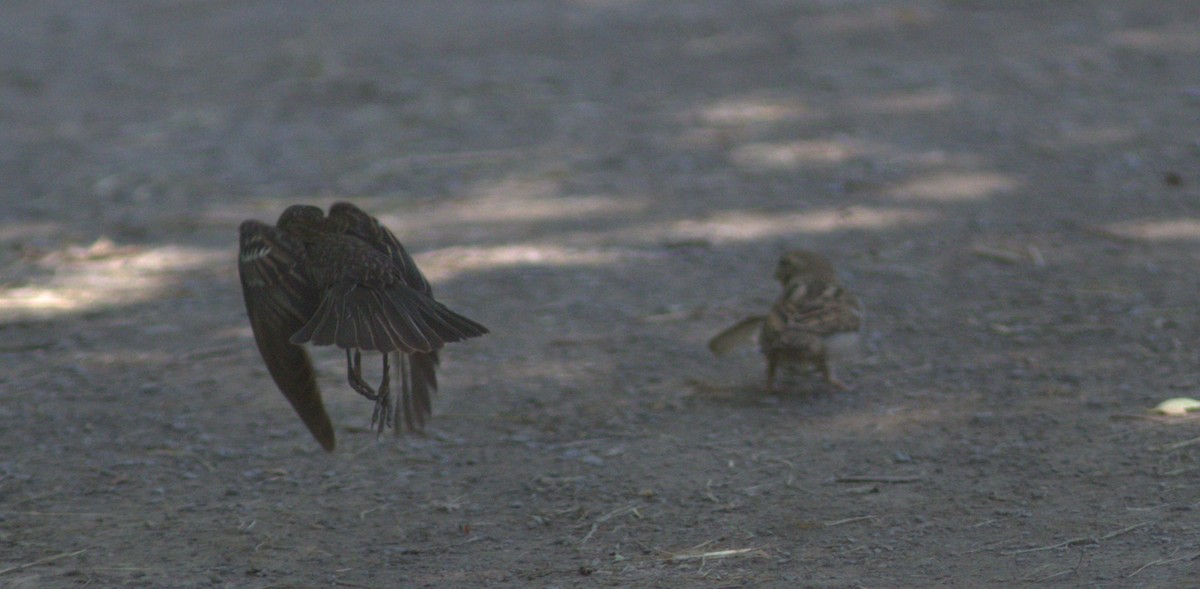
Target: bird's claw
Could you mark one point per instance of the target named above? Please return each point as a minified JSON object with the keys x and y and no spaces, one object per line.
{"x":381,"y":417}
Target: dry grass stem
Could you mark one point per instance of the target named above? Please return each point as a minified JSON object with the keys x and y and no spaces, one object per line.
{"x":1180,"y":445}
{"x":716,"y":554}
{"x":56,"y":513}
{"x":1170,"y":559}
{"x":42,"y":561}
{"x":1079,"y":540}
{"x":631,"y":508}
{"x":848,"y":520}
{"x":878,"y":479}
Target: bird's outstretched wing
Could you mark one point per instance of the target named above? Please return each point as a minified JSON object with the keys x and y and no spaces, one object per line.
{"x":280,"y":298}
{"x":737,"y":334}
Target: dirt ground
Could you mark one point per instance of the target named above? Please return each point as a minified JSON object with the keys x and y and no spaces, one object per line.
{"x":1010,"y":186}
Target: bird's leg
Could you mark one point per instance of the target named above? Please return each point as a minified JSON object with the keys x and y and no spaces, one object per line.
{"x":404,"y":403}
{"x":772,"y":365}
{"x":382,"y":416}
{"x":830,"y":377}
{"x":354,"y":375}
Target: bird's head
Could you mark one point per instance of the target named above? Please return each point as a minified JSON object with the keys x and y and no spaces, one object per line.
{"x":303,"y":221}
{"x":802,"y":263}
{"x":342,"y":217}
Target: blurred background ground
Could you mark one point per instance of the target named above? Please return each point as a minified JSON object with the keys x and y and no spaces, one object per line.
{"x":1010,"y":186}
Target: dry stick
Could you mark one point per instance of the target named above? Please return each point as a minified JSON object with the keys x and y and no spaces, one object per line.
{"x":987,"y":546}
{"x":41,"y":561}
{"x":56,"y":513}
{"x":1069,"y":571}
{"x":877,"y":479}
{"x":1034,"y":578}
{"x":708,"y":555}
{"x":1058,"y":574}
{"x":1178,"y":445}
{"x":1168,"y":560}
{"x":606,"y":517}
{"x":848,"y":520}
{"x":1079,"y":540}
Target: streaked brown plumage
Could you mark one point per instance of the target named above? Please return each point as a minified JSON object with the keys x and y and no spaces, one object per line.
{"x":343,"y":280}
{"x":813,"y":322}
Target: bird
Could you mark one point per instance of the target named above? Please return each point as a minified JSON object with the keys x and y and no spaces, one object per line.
{"x":814,"y":322}
{"x":343,"y":279}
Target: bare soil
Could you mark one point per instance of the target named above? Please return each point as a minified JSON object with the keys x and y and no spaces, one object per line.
{"x":1011,"y":187}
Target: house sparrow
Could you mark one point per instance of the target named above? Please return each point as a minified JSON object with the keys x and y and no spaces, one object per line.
{"x":344,"y":280}
{"x":814,"y":321}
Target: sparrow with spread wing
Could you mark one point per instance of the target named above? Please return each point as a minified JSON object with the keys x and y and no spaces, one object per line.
{"x":813,"y":322}
{"x":344,"y":280}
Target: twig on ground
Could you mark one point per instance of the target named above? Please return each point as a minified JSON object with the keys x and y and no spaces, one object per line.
{"x":42,"y":561}
{"x":715,"y":554}
{"x":1032,"y":578}
{"x":878,"y":479}
{"x":1080,"y":540}
{"x":1179,"y":445}
{"x":988,"y":546}
{"x":1055,"y":575}
{"x":632,"y":507}
{"x":848,"y":520}
{"x":1167,"y":560}
{"x":56,"y":513}
{"x":1035,"y":578}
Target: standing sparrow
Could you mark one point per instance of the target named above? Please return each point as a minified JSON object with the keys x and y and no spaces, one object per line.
{"x":814,"y":321}
{"x":343,"y":280}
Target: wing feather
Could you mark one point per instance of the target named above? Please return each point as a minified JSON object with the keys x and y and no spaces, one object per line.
{"x":370,"y":230}
{"x":280,"y":298}
{"x":403,"y":318}
{"x":419,"y":384}
{"x":737,"y":334}
{"x":819,"y":308}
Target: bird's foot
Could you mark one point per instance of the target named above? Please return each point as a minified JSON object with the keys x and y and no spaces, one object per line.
{"x":354,"y":376}
{"x":837,"y":383}
{"x":831,"y":377}
{"x":382,"y":418}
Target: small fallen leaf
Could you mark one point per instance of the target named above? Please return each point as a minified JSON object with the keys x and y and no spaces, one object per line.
{"x":1177,"y":406}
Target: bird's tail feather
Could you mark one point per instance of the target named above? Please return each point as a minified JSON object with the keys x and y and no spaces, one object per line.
{"x":418,"y":386}
{"x":395,"y":320}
